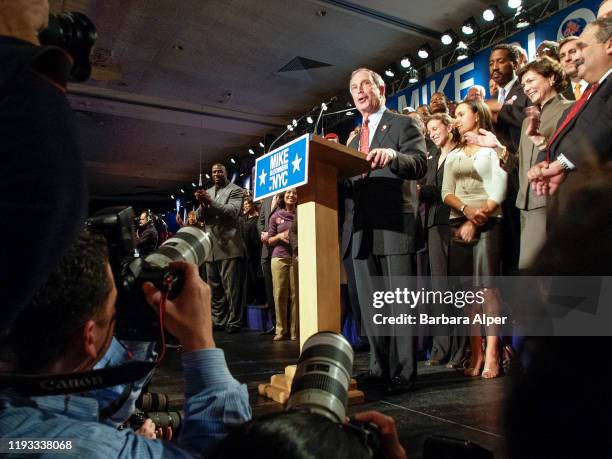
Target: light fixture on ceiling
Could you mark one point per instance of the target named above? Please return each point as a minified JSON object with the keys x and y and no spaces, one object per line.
{"x":448,"y":37}
{"x":251,"y":151}
{"x":182,"y":191}
{"x":324,"y":106}
{"x":261,"y":145}
{"x":389,"y":72}
{"x":491,"y":14}
{"x":172,"y":197}
{"x":521,"y":19}
{"x":233,"y":160}
{"x":462,"y":51}
{"x":425,"y":51}
{"x":349,"y":113}
{"x":193,"y":184}
{"x":294,"y":122}
{"x":309,"y":120}
{"x":405,"y":62}
{"x":514,"y":4}
{"x":207,"y":176}
{"x":413,"y":76}
{"x":469,"y":27}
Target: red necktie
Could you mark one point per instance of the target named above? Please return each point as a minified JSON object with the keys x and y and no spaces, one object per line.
{"x":364,"y":137}
{"x":571,"y":115}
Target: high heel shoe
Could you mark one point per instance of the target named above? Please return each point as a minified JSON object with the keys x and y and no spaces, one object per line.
{"x":491,"y":372}
{"x":474,"y":371}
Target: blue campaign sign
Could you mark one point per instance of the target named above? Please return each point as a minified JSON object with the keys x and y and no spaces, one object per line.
{"x":281,"y":169}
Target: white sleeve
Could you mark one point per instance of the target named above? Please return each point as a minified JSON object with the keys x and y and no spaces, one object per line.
{"x":494,"y":178}
{"x":448,"y":182}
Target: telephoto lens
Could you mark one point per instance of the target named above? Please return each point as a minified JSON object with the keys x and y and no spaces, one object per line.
{"x":169,"y":421}
{"x":153,"y":401}
{"x":190,"y":244}
{"x":323,"y":376}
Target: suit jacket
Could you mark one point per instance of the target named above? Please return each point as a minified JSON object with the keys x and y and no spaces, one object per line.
{"x":223,"y":223}
{"x":431,"y":193}
{"x":511,"y":116}
{"x":528,"y":153}
{"x":385,"y":204}
{"x":263,"y":223}
{"x":587,"y":136}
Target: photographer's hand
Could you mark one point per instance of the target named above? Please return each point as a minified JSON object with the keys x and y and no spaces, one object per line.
{"x":188,"y":317}
{"x":23,"y":19}
{"x":147,"y":430}
{"x":388,"y":433}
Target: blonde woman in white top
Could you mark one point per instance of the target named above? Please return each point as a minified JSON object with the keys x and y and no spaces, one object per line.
{"x":474,"y":186}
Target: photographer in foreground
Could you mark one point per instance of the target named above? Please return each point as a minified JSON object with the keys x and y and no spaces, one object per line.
{"x":68,"y":327}
{"x":42,"y":173}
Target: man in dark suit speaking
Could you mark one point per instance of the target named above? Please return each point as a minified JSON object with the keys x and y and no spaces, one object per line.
{"x":384,"y":216}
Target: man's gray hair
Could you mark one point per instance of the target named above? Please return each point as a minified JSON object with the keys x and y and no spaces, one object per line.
{"x":376,"y":78}
{"x":604,"y":29}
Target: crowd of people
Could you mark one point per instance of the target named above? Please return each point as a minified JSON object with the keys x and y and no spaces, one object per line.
{"x":469,"y":174}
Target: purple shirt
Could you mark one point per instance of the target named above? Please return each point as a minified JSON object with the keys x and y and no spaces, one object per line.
{"x":281,"y":221}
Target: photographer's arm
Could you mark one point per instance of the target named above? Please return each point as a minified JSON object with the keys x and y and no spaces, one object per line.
{"x":23,"y":19}
{"x":214,"y":401}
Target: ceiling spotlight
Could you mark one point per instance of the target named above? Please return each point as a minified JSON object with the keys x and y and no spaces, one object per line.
{"x":193,"y":184}
{"x":389,"y":72}
{"x":207,"y":176}
{"x":261,"y":145}
{"x":182,"y":191}
{"x":521,"y":19}
{"x":294,"y":122}
{"x":514,"y":4}
{"x":447,"y":37}
{"x":469,"y":27}
{"x":425,"y":51}
{"x":405,"y":62}
{"x":324,"y":106}
{"x":309,"y":120}
{"x":413,"y":76}
{"x":290,"y":128}
{"x":233,"y":160}
{"x":491,"y":14}
{"x":349,"y":113}
{"x":172,"y":196}
{"x":462,"y":51}
{"x":251,"y":151}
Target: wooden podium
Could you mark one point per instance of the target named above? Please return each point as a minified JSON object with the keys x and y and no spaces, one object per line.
{"x":319,"y":255}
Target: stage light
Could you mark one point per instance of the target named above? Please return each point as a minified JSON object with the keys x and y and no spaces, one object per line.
{"x":207,"y":176}
{"x":294,"y":122}
{"x":413,"y":76}
{"x":462,"y":51}
{"x":290,"y":128}
{"x":469,"y":27}
{"x":349,"y":113}
{"x":193,"y":184}
{"x":389,"y":72}
{"x":251,"y":151}
{"x":491,"y":14}
{"x":521,"y":19}
{"x":425,"y":51}
{"x":309,"y":120}
{"x":261,"y":145}
{"x":448,"y":37}
{"x":233,"y":160}
{"x":324,"y":106}
{"x":182,"y":191}
{"x":514,"y":4}
{"x":172,"y":197}
{"x":405,"y":62}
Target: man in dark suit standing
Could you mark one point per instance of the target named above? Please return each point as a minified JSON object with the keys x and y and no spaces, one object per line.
{"x":508,"y":106}
{"x":583,"y":134}
{"x":220,"y":208}
{"x":385,"y":227}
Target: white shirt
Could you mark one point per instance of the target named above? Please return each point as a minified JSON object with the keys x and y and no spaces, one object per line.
{"x":374,"y":121}
{"x":507,"y":90}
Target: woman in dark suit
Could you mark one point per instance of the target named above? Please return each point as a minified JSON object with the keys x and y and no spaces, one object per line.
{"x":445,"y":137}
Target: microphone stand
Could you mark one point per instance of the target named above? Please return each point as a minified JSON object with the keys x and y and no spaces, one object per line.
{"x":323,"y":108}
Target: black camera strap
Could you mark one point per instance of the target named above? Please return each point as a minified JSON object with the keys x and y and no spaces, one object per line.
{"x":71,"y":383}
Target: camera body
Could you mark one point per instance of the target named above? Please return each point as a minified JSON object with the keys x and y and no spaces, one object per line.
{"x":136,"y":319}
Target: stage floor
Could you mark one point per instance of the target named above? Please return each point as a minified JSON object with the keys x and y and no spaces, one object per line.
{"x":444,"y":402}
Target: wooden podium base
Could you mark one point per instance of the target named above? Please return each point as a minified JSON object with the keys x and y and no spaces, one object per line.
{"x":279,"y":388}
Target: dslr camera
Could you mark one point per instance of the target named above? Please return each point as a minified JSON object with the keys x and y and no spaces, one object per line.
{"x":136,"y":320}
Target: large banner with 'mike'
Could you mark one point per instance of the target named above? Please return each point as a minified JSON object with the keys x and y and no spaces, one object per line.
{"x":454,"y":81}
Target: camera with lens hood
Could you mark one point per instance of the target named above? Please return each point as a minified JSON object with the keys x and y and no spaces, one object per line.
{"x":321,"y":385}
{"x":136,"y":319}
{"x":76,"y":34}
